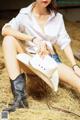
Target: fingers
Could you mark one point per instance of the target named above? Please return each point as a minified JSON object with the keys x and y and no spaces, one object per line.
{"x":43,"y":53}
{"x":43,"y":50}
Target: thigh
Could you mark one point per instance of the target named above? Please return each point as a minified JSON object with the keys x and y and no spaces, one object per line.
{"x":19,"y":46}
{"x":68,"y":75}
{"x":20,"y":49}
{"x":12,"y":43}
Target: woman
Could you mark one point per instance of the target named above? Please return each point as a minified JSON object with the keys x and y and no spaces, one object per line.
{"x":41,"y":25}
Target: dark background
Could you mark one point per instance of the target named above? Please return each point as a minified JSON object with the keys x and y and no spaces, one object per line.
{"x":10,"y":8}
{"x":17,"y":4}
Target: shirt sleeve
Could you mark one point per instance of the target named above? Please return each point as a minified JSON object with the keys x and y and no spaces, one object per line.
{"x":14,"y":22}
{"x":63,"y":38}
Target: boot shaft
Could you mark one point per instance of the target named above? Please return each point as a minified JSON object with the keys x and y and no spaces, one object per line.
{"x":18,"y":86}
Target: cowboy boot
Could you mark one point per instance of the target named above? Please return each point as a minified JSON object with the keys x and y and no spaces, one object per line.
{"x":18,"y":89}
{"x":24,"y":95}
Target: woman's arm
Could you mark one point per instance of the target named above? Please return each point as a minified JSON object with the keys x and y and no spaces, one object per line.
{"x":69,"y":54}
{"x":18,"y":35}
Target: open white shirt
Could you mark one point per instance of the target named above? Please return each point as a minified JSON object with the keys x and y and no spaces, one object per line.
{"x":54,"y":29}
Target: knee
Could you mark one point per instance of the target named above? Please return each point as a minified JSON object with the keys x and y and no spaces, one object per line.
{"x":7,"y":41}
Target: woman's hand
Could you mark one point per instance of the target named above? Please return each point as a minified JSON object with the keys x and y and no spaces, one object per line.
{"x":37,"y":41}
{"x":43,"y":49}
{"x":76,"y":70}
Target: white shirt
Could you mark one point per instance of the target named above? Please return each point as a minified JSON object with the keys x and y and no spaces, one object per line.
{"x":54,"y":29}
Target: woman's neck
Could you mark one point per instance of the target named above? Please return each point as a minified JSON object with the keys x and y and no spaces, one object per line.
{"x":38,"y":9}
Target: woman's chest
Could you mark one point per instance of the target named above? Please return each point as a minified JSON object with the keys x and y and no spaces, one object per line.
{"x":41,"y":25}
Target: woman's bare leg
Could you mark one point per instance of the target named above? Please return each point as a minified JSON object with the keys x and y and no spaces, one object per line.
{"x":68,"y":75}
{"x":17,"y":79}
{"x":10,"y":48}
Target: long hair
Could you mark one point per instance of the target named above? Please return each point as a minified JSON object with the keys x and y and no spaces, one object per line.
{"x":52,"y":6}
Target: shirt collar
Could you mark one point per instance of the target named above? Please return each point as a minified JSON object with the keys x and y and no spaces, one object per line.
{"x":28,"y":10}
